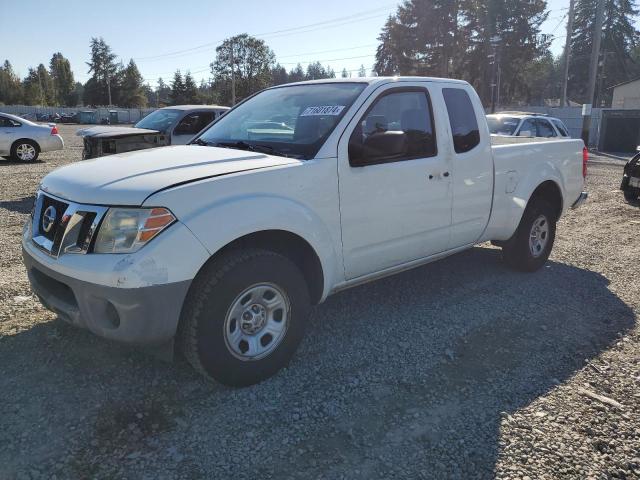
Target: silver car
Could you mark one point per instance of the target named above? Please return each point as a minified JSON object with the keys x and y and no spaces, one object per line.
{"x":23,"y":140}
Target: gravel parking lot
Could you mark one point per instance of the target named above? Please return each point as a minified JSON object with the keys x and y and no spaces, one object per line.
{"x":459,"y":369}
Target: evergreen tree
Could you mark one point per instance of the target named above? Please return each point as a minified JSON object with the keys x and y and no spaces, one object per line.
{"x":131,"y":93}
{"x":296,"y":74}
{"x":38,"y":87}
{"x":279,"y":75}
{"x":103,"y":68}
{"x":11,"y":92}
{"x":163,"y":92}
{"x":177,"y":95}
{"x":619,"y":40}
{"x":362,"y":72}
{"x":190,"y":90}
{"x":344,"y":73}
{"x":63,"y":82}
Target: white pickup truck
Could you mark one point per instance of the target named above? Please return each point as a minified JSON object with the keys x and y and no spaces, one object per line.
{"x":300,"y":191}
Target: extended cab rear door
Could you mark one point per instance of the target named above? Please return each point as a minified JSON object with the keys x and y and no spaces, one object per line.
{"x":469,"y":148}
{"x":394,"y":179}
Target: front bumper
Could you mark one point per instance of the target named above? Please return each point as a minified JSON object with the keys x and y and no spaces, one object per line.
{"x":144,"y":315}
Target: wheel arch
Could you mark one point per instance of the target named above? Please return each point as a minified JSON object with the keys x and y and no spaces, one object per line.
{"x":26,"y":139}
{"x":549,"y":191}
{"x":285,"y":243}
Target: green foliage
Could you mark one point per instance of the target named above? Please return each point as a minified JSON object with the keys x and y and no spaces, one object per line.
{"x":131,"y":92}
{"x":38,"y":87}
{"x":63,"y":82}
{"x":251,"y":61}
{"x":191,"y":94}
{"x":178,"y":93}
{"x":103,"y":68}
{"x":618,"y":60}
{"x":11,"y":91}
{"x":452,"y":38}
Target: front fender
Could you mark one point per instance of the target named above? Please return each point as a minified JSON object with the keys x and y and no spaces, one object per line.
{"x":219,"y":223}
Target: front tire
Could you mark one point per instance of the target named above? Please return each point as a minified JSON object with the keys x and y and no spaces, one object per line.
{"x":25,"y":151}
{"x":531,"y":245}
{"x":244,"y":316}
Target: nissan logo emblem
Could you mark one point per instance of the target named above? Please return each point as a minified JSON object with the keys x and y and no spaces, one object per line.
{"x":49,"y":218}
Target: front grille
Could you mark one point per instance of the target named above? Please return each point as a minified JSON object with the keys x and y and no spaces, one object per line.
{"x":59,"y":208}
{"x":61,"y":227}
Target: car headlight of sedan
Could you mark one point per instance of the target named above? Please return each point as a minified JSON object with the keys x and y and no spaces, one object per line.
{"x":126,"y":230}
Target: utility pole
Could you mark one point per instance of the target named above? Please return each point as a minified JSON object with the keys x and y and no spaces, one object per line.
{"x":593,"y":71}
{"x":567,"y":54}
{"x":495,"y":40}
{"x":233,"y":78}
{"x":109,"y":87}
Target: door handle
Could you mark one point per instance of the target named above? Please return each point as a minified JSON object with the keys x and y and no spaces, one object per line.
{"x":438,"y":176}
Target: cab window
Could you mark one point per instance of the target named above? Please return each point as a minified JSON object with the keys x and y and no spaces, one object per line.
{"x":462,"y":118}
{"x":528,"y":128}
{"x":545,"y":129}
{"x":398,"y":126}
{"x":561,"y":128}
{"x":193,"y":123}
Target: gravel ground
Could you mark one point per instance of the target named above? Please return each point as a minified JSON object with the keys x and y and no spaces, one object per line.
{"x":460,"y":369}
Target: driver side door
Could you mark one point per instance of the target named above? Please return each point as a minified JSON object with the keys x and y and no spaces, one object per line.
{"x":395,"y":184}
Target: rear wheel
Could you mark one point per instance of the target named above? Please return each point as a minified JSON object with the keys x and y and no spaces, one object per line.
{"x":630,"y":197}
{"x":244,"y":316}
{"x":25,"y":151}
{"x":531,"y":245}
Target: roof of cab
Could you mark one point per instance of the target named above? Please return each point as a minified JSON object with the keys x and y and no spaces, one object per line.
{"x":377,"y":80}
{"x":196,"y":107}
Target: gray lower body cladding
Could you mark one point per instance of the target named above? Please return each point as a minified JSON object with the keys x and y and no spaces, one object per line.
{"x":145,"y":316}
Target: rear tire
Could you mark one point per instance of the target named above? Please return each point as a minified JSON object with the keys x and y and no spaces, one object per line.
{"x":244,"y":317}
{"x":25,"y":151}
{"x":531,"y":245}
{"x":630,"y":196}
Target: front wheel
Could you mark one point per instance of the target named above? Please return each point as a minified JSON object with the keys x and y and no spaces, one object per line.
{"x":531,"y":245}
{"x":25,"y":151}
{"x":244,"y":316}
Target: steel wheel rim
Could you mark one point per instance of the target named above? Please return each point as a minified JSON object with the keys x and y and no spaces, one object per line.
{"x":25,"y":152}
{"x":257,"y":321}
{"x":539,"y":236}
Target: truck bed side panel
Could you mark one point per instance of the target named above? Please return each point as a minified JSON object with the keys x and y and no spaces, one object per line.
{"x":520,"y":169}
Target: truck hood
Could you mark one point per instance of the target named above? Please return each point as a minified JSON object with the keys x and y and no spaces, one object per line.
{"x":113,"y":132}
{"x":129,"y":178}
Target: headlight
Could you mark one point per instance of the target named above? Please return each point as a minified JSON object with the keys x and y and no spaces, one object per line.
{"x":126,"y":230}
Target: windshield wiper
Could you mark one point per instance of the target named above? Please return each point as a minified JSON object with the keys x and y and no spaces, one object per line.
{"x":199,"y":141}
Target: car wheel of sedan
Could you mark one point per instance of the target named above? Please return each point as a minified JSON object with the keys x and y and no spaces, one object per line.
{"x":244,"y":316}
{"x":25,"y":151}
{"x":531,"y":245}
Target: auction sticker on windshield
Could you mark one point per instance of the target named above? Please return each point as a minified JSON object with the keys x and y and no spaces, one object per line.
{"x":322,"y":110}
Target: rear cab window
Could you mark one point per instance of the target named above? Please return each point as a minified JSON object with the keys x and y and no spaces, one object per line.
{"x":462,"y":118}
{"x":561,"y":127}
{"x":545,"y":129}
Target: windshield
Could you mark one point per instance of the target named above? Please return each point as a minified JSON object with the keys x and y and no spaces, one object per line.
{"x":500,"y":125}
{"x":291,"y":121}
{"x":159,"y":120}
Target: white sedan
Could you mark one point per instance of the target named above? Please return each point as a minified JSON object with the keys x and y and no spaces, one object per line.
{"x":23,"y":140}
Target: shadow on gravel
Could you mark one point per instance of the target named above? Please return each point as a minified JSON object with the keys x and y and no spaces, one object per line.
{"x":22,"y":205}
{"x":408,"y":377}
{"x":5,"y":162}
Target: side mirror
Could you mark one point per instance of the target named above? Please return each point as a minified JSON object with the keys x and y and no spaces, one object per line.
{"x":525,"y":133}
{"x":377,"y":147}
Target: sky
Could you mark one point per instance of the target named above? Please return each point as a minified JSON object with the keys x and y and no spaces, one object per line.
{"x":162,"y":38}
